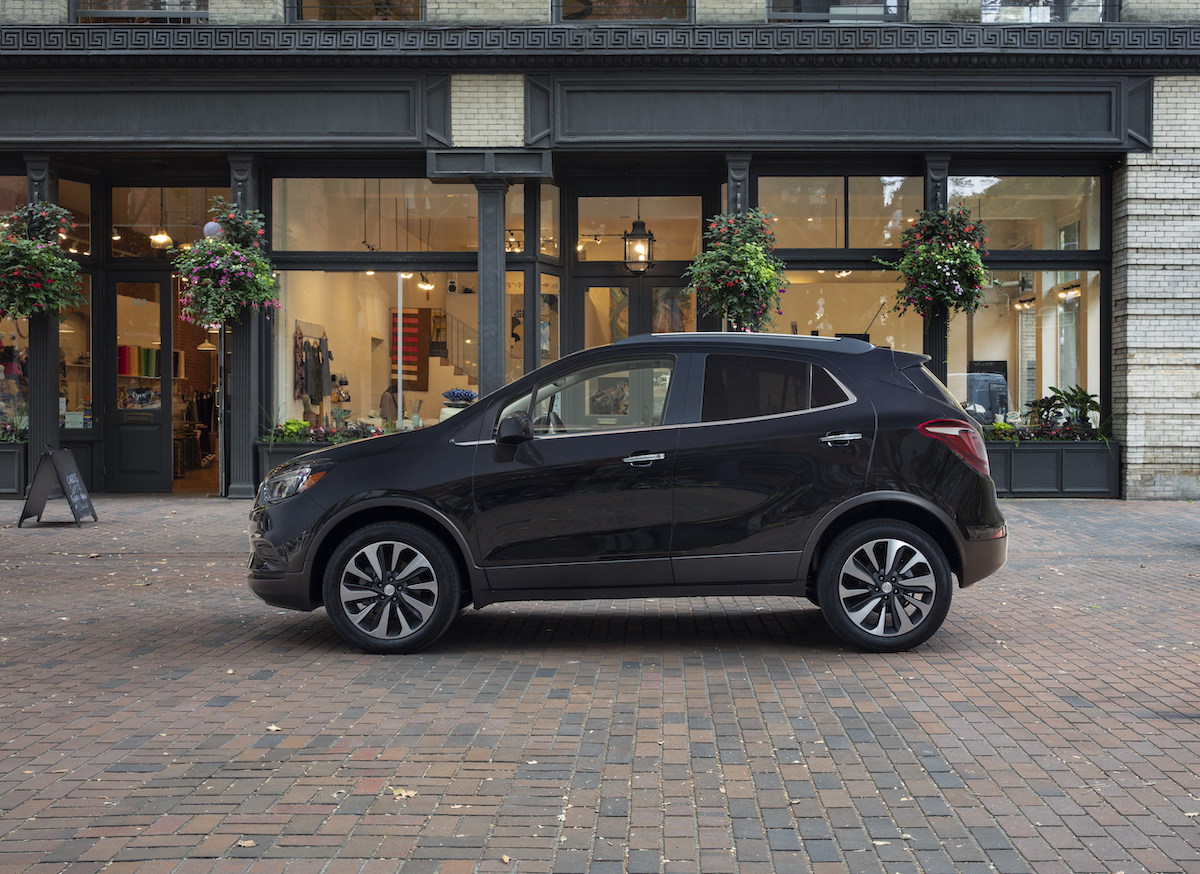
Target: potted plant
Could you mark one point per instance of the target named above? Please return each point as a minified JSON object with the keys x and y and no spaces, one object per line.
{"x":228,"y":271}
{"x":941,"y":263}
{"x":14,"y":436}
{"x":1058,"y":452}
{"x":36,"y":276}
{"x":737,"y":277}
{"x":284,"y":440}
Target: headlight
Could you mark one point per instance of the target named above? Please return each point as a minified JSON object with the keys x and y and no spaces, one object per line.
{"x":292,"y":481}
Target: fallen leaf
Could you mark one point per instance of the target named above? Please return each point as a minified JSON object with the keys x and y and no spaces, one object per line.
{"x":247,"y":843}
{"x":273,"y":727}
{"x":505,"y":859}
{"x":402,"y":793}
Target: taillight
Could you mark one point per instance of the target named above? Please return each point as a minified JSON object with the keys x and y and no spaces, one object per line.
{"x":963,"y":438}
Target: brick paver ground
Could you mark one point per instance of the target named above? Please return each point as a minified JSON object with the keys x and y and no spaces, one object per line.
{"x":156,"y":717}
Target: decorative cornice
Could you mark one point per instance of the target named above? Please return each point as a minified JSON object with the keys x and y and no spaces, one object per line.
{"x":1108,"y":47}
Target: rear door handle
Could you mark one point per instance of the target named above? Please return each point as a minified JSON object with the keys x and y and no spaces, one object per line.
{"x":840,"y":439}
{"x":644,"y":459}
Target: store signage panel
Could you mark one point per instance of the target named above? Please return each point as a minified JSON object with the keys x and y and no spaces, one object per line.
{"x":955,"y":112}
{"x":203,"y":111}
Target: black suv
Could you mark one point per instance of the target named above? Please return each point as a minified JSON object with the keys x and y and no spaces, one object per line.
{"x":663,"y":465}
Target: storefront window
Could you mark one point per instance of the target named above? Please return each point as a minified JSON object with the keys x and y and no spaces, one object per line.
{"x":374,"y":215}
{"x":1039,"y":331}
{"x":548,"y":332}
{"x":811,"y":211}
{"x":584,"y":11}
{"x":514,"y":220}
{"x":603,"y":221}
{"x":374,"y":347}
{"x":75,"y":363}
{"x":14,"y":372}
{"x":514,"y":293}
{"x":548,"y":217}
{"x":1033,"y":212}
{"x":358,"y":10}
{"x":673,"y":310}
{"x":14,"y":191}
{"x":605,"y":315}
{"x":147,"y":222}
{"x":854,"y":303}
{"x":77,"y":197}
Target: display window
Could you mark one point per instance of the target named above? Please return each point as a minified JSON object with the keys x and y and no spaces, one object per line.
{"x":1059,"y":213}
{"x":13,"y":192}
{"x":852,"y":303}
{"x":374,"y":215}
{"x":585,"y":11}
{"x":75,"y":363}
{"x":838,"y":212}
{"x":148,"y":222}
{"x":1040,"y":331}
{"x":380,"y":347}
{"x":358,"y":10}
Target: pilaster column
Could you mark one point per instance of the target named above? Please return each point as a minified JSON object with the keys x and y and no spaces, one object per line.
{"x":738,"y":164}
{"x":493,"y":315}
{"x":43,"y":336}
{"x":241,"y":402}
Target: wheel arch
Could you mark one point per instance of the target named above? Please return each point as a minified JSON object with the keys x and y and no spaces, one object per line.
{"x":341,"y":525}
{"x":898,"y":506}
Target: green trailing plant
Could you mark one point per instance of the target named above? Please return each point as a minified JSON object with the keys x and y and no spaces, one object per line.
{"x":228,"y":272}
{"x":36,"y":275}
{"x":941,"y":263}
{"x":737,"y":277}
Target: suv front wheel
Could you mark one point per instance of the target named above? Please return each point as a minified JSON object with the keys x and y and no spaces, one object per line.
{"x":884,"y":586}
{"x":391,"y":588}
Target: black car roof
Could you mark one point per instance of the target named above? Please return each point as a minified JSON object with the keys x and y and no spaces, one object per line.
{"x":744,"y":340}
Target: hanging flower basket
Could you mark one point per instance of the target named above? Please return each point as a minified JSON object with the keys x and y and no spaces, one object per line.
{"x":227,"y":272}
{"x":36,"y":275}
{"x":941,"y":263}
{"x":737,"y":277}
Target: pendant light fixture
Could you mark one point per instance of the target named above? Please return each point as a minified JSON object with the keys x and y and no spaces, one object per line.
{"x":160,"y":239}
{"x":639,"y":243}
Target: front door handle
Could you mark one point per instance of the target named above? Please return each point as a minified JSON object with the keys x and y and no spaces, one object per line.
{"x":840,"y":439}
{"x":644,"y":459}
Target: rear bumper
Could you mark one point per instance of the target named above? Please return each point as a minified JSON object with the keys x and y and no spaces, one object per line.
{"x":982,"y":558}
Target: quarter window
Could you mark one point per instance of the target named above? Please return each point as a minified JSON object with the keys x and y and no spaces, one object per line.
{"x":737,"y":387}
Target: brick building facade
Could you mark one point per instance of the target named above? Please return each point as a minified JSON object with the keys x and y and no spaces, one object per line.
{"x":539,"y":116}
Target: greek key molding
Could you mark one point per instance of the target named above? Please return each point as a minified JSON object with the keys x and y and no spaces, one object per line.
{"x":1107,"y":47}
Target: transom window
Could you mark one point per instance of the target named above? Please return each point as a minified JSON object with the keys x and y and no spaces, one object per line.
{"x":141,"y":11}
{"x":358,"y":10}
{"x":837,"y":10}
{"x":593,"y":11}
{"x":1047,"y":11}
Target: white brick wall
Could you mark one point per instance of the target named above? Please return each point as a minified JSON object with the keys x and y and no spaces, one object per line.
{"x":33,"y":11}
{"x":731,"y":11}
{"x":245,"y":11}
{"x":1156,"y":302}
{"x":487,"y":12}
{"x":1160,"y":10}
{"x":487,"y":111}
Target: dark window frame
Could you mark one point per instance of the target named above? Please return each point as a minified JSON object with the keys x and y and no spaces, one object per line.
{"x":836,"y":11}
{"x":559,"y":18}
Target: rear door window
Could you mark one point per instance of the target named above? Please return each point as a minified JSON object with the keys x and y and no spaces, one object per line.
{"x":748,"y":387}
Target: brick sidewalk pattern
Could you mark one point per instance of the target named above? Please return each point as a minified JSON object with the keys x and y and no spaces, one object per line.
{"x":156,"y":717}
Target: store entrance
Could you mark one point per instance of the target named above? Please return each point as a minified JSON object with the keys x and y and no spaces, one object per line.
{"x":615,"y":307}
{"x":160,"y":380}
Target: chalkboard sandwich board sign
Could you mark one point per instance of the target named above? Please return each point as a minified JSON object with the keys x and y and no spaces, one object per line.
{"x":58,"y":476}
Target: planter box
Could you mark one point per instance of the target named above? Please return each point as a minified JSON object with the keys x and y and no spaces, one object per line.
{"x":12,"y":470}
{"x":274,"y":454}
{"x":1056,"y":469}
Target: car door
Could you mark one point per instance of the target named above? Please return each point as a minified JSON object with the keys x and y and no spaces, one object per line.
{"x":586,"y":502}
{"x":777,"y":440}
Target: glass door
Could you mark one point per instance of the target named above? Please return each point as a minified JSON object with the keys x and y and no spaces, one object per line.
{"x":616,"y":308}
{"x":140,"y":369}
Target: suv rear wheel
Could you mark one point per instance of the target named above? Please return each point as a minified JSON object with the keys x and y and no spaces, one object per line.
{"x":391,"y":588}
{"x":884,"y":586}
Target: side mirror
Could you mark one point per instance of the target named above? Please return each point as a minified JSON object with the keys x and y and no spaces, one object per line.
{"x":513,"y":429}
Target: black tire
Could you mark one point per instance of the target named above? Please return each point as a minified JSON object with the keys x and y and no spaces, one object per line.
{"x":884,"y":586}
{"x":391,"y":588}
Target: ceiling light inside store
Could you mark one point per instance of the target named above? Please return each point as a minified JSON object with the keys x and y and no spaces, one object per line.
{"x":425,"y":284}
{"x":116,"y":235}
